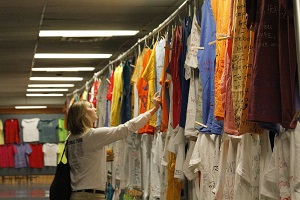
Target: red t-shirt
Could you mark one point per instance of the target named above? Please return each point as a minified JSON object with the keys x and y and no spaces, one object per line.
{"x":36,"y":158}
{"x":12,"y":129}
{"x":7,"y":153}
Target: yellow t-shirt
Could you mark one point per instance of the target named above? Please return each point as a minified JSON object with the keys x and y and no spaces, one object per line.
{"x":1,"y":133}
{"x":138,"y":67}
{"x":222,"y":24}
{"x":174,"y":185}
{"x":61,"y":147}
{"x":149,"y":75}
{"x":242,"y":54}
{"x":115,"y":115}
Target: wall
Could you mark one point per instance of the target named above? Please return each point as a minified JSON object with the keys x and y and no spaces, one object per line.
{"x":29,"y":114}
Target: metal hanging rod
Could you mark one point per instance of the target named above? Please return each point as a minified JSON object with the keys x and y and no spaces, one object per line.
{"x":123,"y":55}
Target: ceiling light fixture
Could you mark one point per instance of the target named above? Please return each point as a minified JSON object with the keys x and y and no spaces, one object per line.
{"x":48,"y":90}
{"x":56,"y":78}
{"x":71,"y":55}
{"x":44,"y":95}
{"x":51,"y":85}
{"x":30,"y":107}
{"x":63,"y":69}
{"x":86,"y":33}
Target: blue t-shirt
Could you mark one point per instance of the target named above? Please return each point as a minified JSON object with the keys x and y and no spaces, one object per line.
{"x":206,"y":61}
{"x":184,"y":84}
{"x":126,"y":111}
{"x":48,"y":130}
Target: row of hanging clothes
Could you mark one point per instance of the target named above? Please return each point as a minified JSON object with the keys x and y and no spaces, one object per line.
{"x":228,"y":127}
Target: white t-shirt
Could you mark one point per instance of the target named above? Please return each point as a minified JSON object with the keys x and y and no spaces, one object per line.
{"x":86,"y":152}
{"x":248,"y":168}
{"x":30,"y":131}
{"x":190,"y":130}
{"x":179,"y":142}
{"x":193,"y":42}
{"x":50,"y":151}
{"x":227,"y":167}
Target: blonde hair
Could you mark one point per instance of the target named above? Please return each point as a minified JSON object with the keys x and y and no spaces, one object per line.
{"x":77,"y":121}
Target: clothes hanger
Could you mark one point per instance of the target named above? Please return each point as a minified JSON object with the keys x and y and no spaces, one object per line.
{"x":87,"y":86}
{"x":145,"y":44}
{"x":227,"y":37}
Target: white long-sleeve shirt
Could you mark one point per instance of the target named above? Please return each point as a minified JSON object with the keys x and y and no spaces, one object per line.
{"x":86,"y":152}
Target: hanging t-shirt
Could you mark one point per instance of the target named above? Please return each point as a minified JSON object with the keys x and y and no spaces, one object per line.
{"x":50,"y":154}
{"x":7,"y":153}
{"x":115,"y":115}
{"x":155,"y":185}
{"x":60,"y":151}
{"x":84,"y":95}
{"x":227,"y":167}
{"x":191,"y":111}
{"x":30,"y":130}
{"x":248,"y":168}
{"x":206,"y":60}
{"x":226,"y":84}
{"x":62,"y":132}
{"x":193,"y":42}
{"x":222,"y":23}
{"x":138,"y":69}
{"x":36,"y":158}
{"x":157,"y":152}
{"x":110,"y":87}
{"x":186,"y":25}
{"x":164,"y":82}
{"x":102,"y":101}
{"x":149,"y":75}
{"x":205,"y":158}
{"x":94,"y":92}
{"x":242,"y":55}
{"x":159,"y":64}
{"x":1,"y":133}
{"x":48,"y":130}
{"x":126,"y":112}
{"x":12,"y":129}
{"x":265,"y":104}
{"x":142,"y":88}
{"x":109,"y":98}
{"x":21,"y":156}
{"x":174,"y":185}
{"x":174,"y":69}
{"x":287,"y":63}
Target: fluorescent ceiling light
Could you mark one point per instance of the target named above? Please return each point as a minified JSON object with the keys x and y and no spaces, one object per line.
{"x":44,"y":95}
{"x":63,"y":69}
{"x":30,"y":107}
{"x":71,"y":55}
{"x":51,"y":85}
{"x":87,"y":33}
{"x":48,"y":90}
{"x":56,"y":78}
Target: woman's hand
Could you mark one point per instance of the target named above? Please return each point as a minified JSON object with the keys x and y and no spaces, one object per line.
{"x":157,"y":99}
{"x":157,"y":102}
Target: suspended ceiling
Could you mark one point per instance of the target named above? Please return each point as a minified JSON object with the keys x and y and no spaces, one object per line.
{"x":20,"y":22}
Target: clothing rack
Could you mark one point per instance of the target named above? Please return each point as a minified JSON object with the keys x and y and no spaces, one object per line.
{"x":296,"y":5}
{"x":123,"y":55}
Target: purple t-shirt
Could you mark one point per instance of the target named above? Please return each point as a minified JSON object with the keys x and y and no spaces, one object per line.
{"x":21,"y":156}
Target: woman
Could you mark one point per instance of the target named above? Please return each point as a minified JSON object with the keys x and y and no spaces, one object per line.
{"x":86,"y":147}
